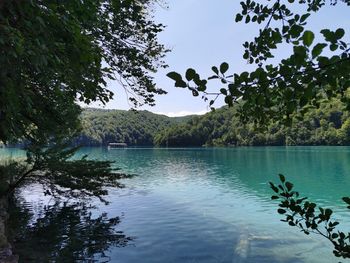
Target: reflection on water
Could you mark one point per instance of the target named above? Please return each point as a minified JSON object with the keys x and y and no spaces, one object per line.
{"x":213,"y":205}
{"x":63,"y":233}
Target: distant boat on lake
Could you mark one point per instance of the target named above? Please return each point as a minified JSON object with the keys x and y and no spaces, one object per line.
{"x":113,"y":145}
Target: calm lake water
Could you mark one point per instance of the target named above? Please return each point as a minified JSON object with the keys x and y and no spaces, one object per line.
{"x":213,"y":205}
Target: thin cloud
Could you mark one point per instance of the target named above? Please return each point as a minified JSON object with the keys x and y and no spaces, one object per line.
{"x":182,"y":113}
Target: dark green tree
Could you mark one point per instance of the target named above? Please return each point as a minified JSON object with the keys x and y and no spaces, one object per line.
{"x":54,"y":54}
{"x":326,"y":125}
{"x":100,"y":127}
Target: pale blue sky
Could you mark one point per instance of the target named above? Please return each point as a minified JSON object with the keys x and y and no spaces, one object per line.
{"x":202,"y":33}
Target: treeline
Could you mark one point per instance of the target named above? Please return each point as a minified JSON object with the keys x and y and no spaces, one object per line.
{"x":327,"y":125}
{"x":100,"y":127}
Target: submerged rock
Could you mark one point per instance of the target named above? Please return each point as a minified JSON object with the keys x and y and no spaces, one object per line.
{"x":242,"y":248}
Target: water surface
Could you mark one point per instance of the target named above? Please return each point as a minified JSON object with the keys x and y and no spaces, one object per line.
{"x":213,"y":204}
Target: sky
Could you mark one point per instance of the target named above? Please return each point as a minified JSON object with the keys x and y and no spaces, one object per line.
{"x":201,"y":34}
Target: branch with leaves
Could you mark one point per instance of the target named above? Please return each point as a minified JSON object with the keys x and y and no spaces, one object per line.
{"x":55,"y":54}
{"x":55,"y":168}
{"x":275,"y":91}
{"x":310,"y":218}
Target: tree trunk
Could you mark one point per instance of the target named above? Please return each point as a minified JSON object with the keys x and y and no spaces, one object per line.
{"x":6,"y":255}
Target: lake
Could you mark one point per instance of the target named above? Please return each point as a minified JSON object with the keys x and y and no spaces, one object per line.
{"x":213,"y":204}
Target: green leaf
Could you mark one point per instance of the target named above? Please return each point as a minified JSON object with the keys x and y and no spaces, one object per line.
{"x":304,"y":17}
{"x":300,"y":54}
{"x":282,"y":178}
{"x":215,"y":69}
{"x":228,"y":100}
{"x":346,"y":200}
{"x":180,"y":84}
{"x":333,"y":224}
{"x":178,"y":79}
{"x":224,"y":67}
{"x":174,"y":76}
{"x":326,"y":33}
{"x":299,"y":201}
{"x":289,"y":186}
{"x":190,"y":74}
{"x":246,"y":55}
{"x":239,"y":18}
{"x":339,"y":33}
{"x":333,"y":47}
{"x":317,"y":50}
{"x":281,"y":211}
{"x":328,"y":212}
{"x":201,"y":88}
{"x":335,"y":235}
{"x":308,"y":38}
{"x":273,"y":187}
{"x":223,"y":91}
{"x":296,"y":30}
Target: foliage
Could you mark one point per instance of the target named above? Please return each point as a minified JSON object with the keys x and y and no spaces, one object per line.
{"x":100,"y":127}
{"x":67,"y":228}
{"x":9,"y":170}
{"x":327,"y":125}
{"x":197,"y":131}
{"x":309,"y":218}
{"x":275,"y":91}
{"x":53,"y":53}
{"x":61,"y":175}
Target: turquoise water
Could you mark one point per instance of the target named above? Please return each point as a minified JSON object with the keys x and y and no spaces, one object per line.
{"x":213,"y":205}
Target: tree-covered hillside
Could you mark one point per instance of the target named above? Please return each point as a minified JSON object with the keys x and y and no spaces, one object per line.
{"x":101,"y":127}
{"x":327,"y":125}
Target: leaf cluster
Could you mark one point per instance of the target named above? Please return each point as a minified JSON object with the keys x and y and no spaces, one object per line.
{"x":276,"y":91}
{"x":54,"y":54}
{"x":56,"y":169}
{"x":310,"y":218}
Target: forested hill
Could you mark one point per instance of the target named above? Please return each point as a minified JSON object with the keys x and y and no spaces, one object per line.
{"x":101,"y":127}
{"x":327,"y":125}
